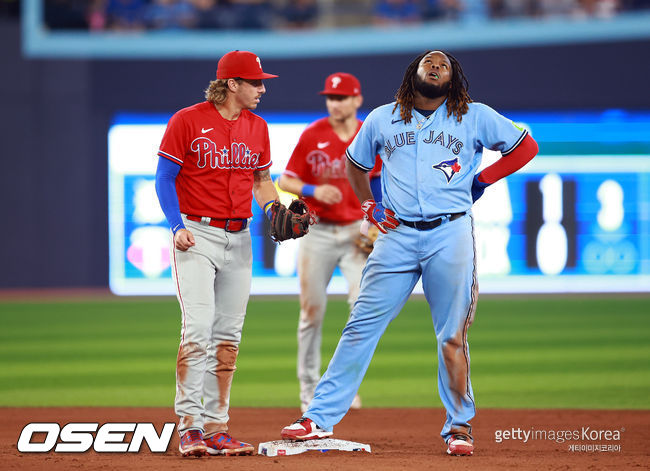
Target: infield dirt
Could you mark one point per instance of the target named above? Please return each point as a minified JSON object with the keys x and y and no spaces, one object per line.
{"x":401,"y":439}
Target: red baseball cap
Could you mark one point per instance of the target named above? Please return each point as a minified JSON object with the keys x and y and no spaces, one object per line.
{"x":341,"y":83}
{"x":241,"y":64}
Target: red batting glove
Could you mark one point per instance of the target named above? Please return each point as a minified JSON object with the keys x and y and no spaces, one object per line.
{"x":378,"y":215}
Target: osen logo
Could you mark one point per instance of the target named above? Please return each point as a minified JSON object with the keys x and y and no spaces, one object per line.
{"x":78,"y":437}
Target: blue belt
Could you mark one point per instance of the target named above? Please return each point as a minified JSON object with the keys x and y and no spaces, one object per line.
{"x":428,"y":225}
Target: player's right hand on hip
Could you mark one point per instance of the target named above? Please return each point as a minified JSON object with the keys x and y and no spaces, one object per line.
{"x":183,"y":239}
{"x":381,"y":217}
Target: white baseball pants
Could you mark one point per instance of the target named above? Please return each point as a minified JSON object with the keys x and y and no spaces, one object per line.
{"x":213,"y":282}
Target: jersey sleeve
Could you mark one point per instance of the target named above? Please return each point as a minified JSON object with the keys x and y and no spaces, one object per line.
{"x":175,"y":140}
{"x":366,"y":145}
{"x":496,"y":132}
{"x":265,"y":158}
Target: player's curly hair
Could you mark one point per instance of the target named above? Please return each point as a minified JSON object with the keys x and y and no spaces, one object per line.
{"x":457,"y":97}
{"x":217,"y":91}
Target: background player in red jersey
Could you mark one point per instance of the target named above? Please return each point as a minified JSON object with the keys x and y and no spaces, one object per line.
{"x":316,"y":170}
{"x":211,"y":156}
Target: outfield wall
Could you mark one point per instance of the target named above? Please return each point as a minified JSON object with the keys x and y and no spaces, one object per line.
{"x":57,"y":113}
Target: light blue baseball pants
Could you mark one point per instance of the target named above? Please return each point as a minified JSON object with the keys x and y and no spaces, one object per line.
{"x":445,"y":259}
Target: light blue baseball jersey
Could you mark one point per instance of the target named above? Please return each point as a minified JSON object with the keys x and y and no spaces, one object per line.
{"x":429,"y":163}
{"x":428,"y":169}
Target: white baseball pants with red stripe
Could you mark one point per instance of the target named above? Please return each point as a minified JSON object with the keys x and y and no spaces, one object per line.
{"x":213,"y":282}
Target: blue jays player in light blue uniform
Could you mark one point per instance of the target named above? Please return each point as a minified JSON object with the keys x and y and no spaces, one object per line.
{"x":430,"y":141}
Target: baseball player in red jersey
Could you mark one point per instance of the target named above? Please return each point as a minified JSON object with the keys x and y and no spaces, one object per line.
{"x":211,"y":156}
{"x":316,"y":170}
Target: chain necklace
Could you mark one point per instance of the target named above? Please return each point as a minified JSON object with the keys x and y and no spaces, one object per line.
{"x":421,"y":122}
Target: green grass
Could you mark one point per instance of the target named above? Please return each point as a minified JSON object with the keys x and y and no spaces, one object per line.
{"x":526,"y":353}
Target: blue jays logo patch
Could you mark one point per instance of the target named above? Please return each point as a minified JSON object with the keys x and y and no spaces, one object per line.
{"x":449,"y":168}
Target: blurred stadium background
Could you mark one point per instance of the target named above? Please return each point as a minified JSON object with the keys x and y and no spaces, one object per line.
{"x":86,"y":82}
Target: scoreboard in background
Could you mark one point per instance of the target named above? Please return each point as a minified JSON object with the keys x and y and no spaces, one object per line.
{"x":575,"y":219}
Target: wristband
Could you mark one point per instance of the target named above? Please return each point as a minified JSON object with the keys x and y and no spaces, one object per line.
{"x":177,"y":228}
{"x":308,"y":190}
{"x":267,"y":208}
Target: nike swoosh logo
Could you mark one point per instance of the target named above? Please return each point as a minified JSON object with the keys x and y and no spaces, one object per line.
{"x":396,"y":121}
{"x":323,"y":145}
{"x":203,"y":130}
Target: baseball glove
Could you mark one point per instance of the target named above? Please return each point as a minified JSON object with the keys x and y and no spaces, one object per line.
{"x":290,"y":223}
{"x":366,"y":243}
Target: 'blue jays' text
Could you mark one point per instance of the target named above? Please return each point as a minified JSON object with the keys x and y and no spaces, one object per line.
{"x":434,"y":137}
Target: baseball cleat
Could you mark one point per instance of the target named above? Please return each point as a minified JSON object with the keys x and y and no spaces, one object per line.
{"x":223,"y":444}
{"x":459,"y":445}
{"x":304,"y":429}
{"x":192,"y":444}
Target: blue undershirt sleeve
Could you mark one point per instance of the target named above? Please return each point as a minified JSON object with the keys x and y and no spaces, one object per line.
{"x":166,"y":189}
{"x":375,"y":187}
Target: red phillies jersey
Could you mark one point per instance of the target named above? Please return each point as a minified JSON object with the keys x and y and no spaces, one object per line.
{"x":319,"y":157}
{"x":217,"y":159}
